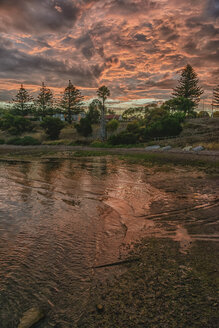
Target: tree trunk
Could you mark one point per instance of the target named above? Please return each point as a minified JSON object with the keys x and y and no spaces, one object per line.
{"x":103,"y":123}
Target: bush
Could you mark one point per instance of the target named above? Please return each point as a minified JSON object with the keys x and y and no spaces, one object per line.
{"x":2,"y":141}
{"x":80,"y":143}
{"x":52,"y":126}
{"x":167,"y":126}
{"x":192,"y":115}
{"x":216,"y":114}
{"x":203,"y":113}
{"x":25,"y":141}
{"x":112,"y":125}
{"x":15,"y":124}
{"x":123,"y":138}
{"x":84,"y":127}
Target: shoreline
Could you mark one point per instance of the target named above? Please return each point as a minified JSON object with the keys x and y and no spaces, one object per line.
{"x":174,"y":155}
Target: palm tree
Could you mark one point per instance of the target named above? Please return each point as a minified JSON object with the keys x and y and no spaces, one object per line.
{"x":103,"y":93}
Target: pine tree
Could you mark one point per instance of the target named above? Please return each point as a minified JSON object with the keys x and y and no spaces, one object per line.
{"x":188,"y":86}
{"x":21,"y":101}
{"x":215,"y":101}
{"x":44,"y":100}
{"x":71,"y":101}
{"x":103,"y":93}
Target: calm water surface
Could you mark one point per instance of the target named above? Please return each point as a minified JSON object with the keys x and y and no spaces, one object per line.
{"x":59,"y":218}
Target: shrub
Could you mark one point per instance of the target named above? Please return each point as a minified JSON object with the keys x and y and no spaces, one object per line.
{"x":25,"y":141}
{"x":192,"y":115}
{"x":167,"y":126}
{"x":216,"y":114}
{"x":123,"y":138}
{"x":84,"y":127}
{"x":2,"y":141}
{"x":15,"y":124}
{"x":112,"y":125}
{"x":80,"y":143}
{"x":52,"y":126}
{"x":203,"y":113}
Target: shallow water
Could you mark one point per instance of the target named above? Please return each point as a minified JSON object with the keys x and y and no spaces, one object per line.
{"x":60,"y":218}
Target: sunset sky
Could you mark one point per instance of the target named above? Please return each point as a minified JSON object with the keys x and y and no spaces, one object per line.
{"x":135,"y":47}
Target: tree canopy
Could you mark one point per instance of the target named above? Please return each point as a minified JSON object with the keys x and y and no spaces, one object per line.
{"x":215,"y":101}
{"x":44,"y":100}
{"x":93,"y":113}
{"x":71,"y":101}
{"x":22,"y":100}
{"x":188,"y":85}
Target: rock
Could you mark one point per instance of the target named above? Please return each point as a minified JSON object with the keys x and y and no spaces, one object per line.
{"x":100,"y":308}
{"x":30,"y":317}
{"x":198,"y":148}
{"x":187,"y":148}
{"x":166,"y":148}
{"x":152,"y":147}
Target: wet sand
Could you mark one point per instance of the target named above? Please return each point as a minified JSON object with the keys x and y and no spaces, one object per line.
{"x":103,"y":210}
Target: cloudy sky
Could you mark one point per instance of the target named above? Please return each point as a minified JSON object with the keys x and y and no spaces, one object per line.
{"x":135,"y":47}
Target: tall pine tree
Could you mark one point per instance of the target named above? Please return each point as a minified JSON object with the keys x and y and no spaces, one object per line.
{"x":188,"y":86}
{"x":71,"y":101}
{"x":44,"y":100}
{"x":215,"y":102}
{"x":22,"y":101}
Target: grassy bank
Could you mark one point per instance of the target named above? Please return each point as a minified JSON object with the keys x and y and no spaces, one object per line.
{"x":209,"y":163}
{"x":156,"y":158}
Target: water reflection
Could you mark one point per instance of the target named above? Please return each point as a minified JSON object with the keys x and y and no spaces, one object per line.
{"x":59,"y":218}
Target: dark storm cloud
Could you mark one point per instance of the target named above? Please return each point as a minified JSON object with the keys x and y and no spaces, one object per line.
{"x":16,"y":63}
{"x":128,"y":44}
{"x":37,"y":15}
{"x":86,"y":45}
{"x":141,"y":37}
{"x":212,"y":8}
{"x":130,"y":7}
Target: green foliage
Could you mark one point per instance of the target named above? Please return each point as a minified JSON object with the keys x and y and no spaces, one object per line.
{"x":2,"y":141}
{"x":158,"y":122}
{"x":84,"y":127}
{"x":216,"y":114}
{"x":123,"y":138}
{"x":22,"y":102}
{"x":15,"y":124}
{"x":103,"y":93}
{"x":71,"y":101}
{"x":169,"y":125}
{"x":203,"y":113}
{"x":52,"y":126}
{"x":44,"y":101}
{"x":25,"y":141}
{"x":111,"y":112}
{"x":181,"y":104}
{"x":215,"y":101}
{"x":93,"y":113}
{"x":133,"y":113}
{"x":192,"y":114}
{"x":155,"y":114}
{"x":188,"y":85}
{"x":112,"y":125}
{"x":133,"y":127}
